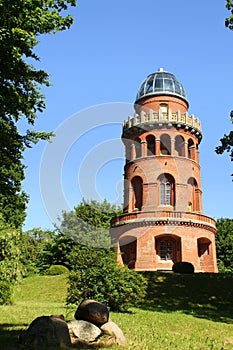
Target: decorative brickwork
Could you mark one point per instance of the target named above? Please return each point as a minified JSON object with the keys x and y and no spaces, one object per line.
{"x":162,"y":221}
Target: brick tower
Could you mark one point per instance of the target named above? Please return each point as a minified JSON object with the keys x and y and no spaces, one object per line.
{"x":162,"y":220}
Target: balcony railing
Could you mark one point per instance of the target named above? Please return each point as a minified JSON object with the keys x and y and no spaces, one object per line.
{"x":170,"y":118}
{"x":162,"y":215}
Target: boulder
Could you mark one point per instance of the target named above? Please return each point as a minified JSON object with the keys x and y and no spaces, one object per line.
{"x":92,"y":311}
{"x":83,"y":330}
{"x":112,"y":329}
{"x":46,"y":332}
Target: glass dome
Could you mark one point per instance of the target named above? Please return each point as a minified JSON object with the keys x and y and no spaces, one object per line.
{"x":161,"y":83}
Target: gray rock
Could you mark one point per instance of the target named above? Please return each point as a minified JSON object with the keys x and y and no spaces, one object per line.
{"x":114,"y":330}
{"x":83,"y":330}
{"x":92,"y":311}
{"x":46,"y":332}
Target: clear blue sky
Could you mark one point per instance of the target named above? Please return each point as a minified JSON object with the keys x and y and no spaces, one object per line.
{"x":101,"y":60}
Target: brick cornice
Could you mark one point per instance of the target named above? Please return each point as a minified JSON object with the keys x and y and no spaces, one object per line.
{"x":167,"y":222}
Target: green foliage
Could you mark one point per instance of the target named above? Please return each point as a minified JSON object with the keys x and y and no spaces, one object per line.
{"x":96,"y":275}
{"x":10,"y":264}
{"x":59,"y":250}
{"x":224,"y":244}
{"x":36,"y":247}
{"x":97,"y":214}
{"x":43,"y":248}
{"x":226,"y":142}
{"x":89,"y":223}
{"x":5,"y":292}
{"x":12,"y":200}
{"x":94,"y":271}
{"x":10,"y":253}
{"x":227,"y":139}
{"x":229,"y":20}
{"x":80,"y":231}
{"x":21,"y":23}
{"x":183,"y":267}
{"x":56,"y":270}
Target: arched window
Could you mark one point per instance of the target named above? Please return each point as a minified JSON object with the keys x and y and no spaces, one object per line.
{"x":137,"y":192}
{"x":203,"y":245}
{"x":167,"y":190}
{"x":150,"y":139}
{"x":191,"y":149}
{"x":195,"y":195}
{"x":180,"y":145}
{"x":128,"y":249}
{"x":165,"y":145}
{"x":194,"y":204}
{"x":138,"y":147}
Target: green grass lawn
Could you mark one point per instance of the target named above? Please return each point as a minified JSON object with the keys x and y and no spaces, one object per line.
{"x":180,"y":312}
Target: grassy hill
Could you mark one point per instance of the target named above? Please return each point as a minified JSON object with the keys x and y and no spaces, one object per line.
{"x":180,"y":312}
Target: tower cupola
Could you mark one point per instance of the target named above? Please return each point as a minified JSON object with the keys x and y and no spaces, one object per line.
{"x":161,"y":83}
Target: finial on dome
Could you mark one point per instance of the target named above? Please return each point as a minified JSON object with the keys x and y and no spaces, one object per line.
{"x":161,"y":70}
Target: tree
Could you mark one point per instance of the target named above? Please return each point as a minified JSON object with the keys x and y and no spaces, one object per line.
{"x":89,"y":223}
{"x":37,"y":250}
{"x":10,"y":260}
{"x":21,"y":23}
{"x":224,"y":244}
{"x":95,"y":273}
{"x":229,"y":20}
{"x":227,"y":140}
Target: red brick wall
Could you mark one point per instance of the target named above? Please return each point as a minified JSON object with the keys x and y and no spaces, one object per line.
{"x":191,"y":235}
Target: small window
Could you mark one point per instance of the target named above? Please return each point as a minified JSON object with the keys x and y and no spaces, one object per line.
{"x":141,"y":91}
{"x":165,"y":192}
{"x":168,"y":84}
{"x":165,"y":250}
{"x":149,"y":84}
{"x":177,"y":88}
{"x":159,"y":84}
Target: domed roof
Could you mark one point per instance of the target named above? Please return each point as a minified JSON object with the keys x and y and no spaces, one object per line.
{"x":161,"y":83}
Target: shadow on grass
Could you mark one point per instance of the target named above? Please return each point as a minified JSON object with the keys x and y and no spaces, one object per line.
{"x":9,"y":336}
{"x":207,"y":296}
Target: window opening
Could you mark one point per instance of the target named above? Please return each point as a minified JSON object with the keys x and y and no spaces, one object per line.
{"x":166,"y":250}
{"x":166,"y":190}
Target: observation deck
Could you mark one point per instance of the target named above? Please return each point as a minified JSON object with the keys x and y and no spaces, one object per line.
{"x":147,"y":121}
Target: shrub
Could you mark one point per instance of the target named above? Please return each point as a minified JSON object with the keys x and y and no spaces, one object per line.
{"x":57,"y":270}
{"x":223,"y":269}
{"x":5,"y":292}
{"x":96,"y":275}
{"x":183,"y":267}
